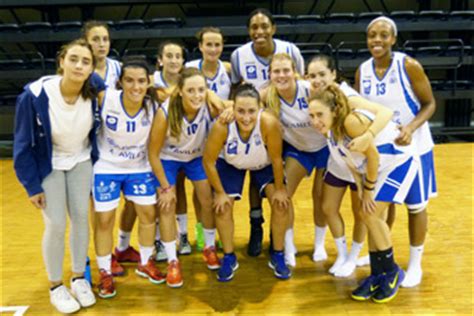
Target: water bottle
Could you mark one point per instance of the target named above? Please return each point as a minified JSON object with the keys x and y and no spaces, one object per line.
{"x":87,"y":272}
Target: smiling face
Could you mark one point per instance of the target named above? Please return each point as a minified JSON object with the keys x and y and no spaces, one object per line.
{"x":98,"y":38}
{"x":77,"y":63}
{"x":319,"y":75}
{"x":282,"y":74}
{"x":380,"y":39}
{"x":211,"y":46}
{"x":193,"y":93}
{"x":322,"y":117}
{"x":134,"y":83}
{"x":172,"y":59}
{"x":246,"y":113}
{"x":261,"y":31}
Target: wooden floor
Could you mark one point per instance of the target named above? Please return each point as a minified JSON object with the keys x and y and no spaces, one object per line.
{"x":447,"y":286}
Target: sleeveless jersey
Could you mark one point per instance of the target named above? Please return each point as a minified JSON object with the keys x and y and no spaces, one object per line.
{"x":112,"y":73}
{"x":394,"y":90}
{"x":190,"y":144}
{"x":158,"y":80}
{"x":390,"y":154}
{"x":294,"y":117}
{"x":249,"y":67}
{"x":123,"y":139}
{"x":249,"y":155}
{"x":220,"y":83}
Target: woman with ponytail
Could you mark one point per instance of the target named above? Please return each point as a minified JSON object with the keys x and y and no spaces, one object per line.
{"x":383,"y":173}
{"x":176,"y":144}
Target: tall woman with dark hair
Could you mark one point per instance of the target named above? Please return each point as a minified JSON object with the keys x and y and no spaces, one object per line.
{"x":54,"y":130}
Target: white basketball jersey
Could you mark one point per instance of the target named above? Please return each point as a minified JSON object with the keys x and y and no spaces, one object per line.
{"x":294,"y":117}
{"x":249,"y":67}
{"x":220,"y":83}
{"x":158,"y":80}
{"x":112,"y":73}
{"x":394,"y":90}
{"x":190,"y":144}
{"x":123,"y":139}
{"x":390,"y":153}
{"x":249,"y":155}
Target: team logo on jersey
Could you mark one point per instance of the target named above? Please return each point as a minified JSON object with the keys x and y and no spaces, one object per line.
{"x":393,"y":77}
{"x":258,"y":140}
{"x":222,"y":80}
{"x":145,"y":121}
{"x":251,"y":71}
{"x":232,"y":147}
{"x":111,"y":122}
{"x":366,"y":85}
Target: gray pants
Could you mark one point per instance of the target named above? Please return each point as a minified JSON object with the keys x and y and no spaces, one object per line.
{"x":66,"y":192}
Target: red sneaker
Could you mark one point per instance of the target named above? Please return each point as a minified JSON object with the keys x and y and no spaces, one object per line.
{"x":174,"y":277}
{"x":106,"y":285}
{"x":210,"y":257}
{"x":151,"y":272}
{"x":128,"y":255}
{"x":117,"y":269}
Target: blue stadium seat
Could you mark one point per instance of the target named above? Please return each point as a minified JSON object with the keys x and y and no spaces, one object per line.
{"x":437,"y":84}
{"x":410,"y":51}
{"x":309,"y":19}
{"x":363,"y":53}
{"x":431,"y":15}
{"x":457,"y":50}
{"x":164,"y":23}
{"x":429,"y":51}
{"x":12,"y":64}
{"x":50,"y":63}
{"x":461,"y":15}
{"x":71,"y":26}
{"x":283,"y":19}
{"x":9,"y":28}
{"x":402,"y":16}
{"x":341,"y":18}
{"x":136,"y":24}
{"x":8,"y":99}
{"x":366,"y":17}
{"x":344,"y":53}
{"x":36,"y":27}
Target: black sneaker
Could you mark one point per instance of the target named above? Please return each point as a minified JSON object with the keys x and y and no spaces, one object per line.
{"x":367,"y":288}
{"x":389,"y":285}
{"x":256,"y":237}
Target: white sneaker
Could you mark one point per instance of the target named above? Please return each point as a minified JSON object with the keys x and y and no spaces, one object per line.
{"x":63,"y":300}
{"x":81,"y":289}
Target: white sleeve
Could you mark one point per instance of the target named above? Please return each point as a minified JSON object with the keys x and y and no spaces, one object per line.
{"x":235,"y":76}
{"x":298,"y":58}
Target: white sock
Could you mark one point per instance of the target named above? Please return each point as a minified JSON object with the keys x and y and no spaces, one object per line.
{"x":319,"y":236}
{"x":182,"y":223}
{"x":414,"y":272}
{"x":341,"y":254}
{"x":123,"y":240}
{"x":145,"y":254}
{"x":157,"y":233}
{"x":105,"y":262}
{"x":289,"y":241}
{"x":355,"y":251}
{"x":170,"y":249}
{"x":209,"y":237}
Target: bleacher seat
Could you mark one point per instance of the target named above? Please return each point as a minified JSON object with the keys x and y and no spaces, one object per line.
{"x":70,"y":26}
{"x":467,"y":15}
{"x":12,"y":64}
{"x":164,"y":23}
{"x":341,"y":18}
{"x":136,"y":24}
{"x":309,"y":19}
{"x":283,"y":19}
{"x":8,"y":99}
{"x":363,"y":53}
{"x":366,"y":17}
{"x":460,"y":85}
{"x":431,"y":15}
{"x":36,"y":27}
{"x":410,"y":51}
{"x":9,"y":28}
{"x":50,"y":63}
{"x":429,"y":51}
{"x":402,"y":16}
{"x":344,"y":53}
{"x":437,"y":84}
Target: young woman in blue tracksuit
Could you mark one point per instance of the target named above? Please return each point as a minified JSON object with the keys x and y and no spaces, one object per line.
{"x":54,"y":133}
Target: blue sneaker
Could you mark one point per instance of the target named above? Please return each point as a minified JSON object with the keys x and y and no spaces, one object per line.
{"x":389,"y":286}
{"x":228,"y":265}
{"x":367,"y":288}
{"x":277,"y":263}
